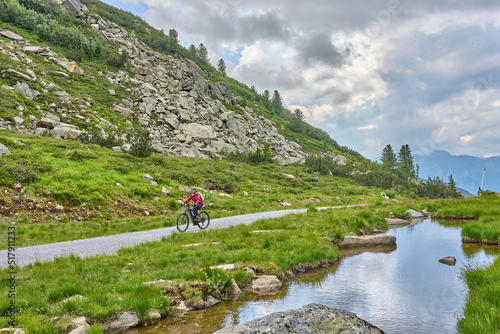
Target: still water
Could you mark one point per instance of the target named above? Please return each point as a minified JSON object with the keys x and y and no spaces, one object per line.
{"x":399,"y":290}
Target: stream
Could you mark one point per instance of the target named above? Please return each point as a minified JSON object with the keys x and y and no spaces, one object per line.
{"x":402,"y":289}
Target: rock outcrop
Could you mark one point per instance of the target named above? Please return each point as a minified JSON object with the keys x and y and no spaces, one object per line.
{"x":367,"y":241}
{"x":74,"y":6}
{"x":311,"y":318}
{"x":186,"y":114}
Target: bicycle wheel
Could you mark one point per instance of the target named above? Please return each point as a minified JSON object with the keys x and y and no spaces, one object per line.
{"x":182,"y":222}
{"x":204,"y":220}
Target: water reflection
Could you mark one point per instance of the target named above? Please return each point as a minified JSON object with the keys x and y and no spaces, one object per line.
{"x":400,"y":290}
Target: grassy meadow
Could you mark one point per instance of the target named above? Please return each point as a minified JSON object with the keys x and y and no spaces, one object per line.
{"x":103,"y":192}
{"x":112,"y":284}
{"x":109,"y":285}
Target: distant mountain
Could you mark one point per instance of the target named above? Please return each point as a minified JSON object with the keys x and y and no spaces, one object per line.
{"x":464,"y":192}
{"x":467,"y":170}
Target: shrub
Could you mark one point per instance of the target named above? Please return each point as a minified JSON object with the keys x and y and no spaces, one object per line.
{"x":96,"y":136}
{"x":140,"y":141}
{"x":216,"y":281}
{"x":264,"y":156}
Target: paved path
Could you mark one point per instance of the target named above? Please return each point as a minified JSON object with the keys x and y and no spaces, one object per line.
{"x":110,"y":244}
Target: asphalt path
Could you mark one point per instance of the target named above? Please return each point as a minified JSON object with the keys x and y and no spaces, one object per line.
{"x":111,"y":244}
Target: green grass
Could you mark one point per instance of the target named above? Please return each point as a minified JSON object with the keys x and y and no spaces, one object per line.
{"x":84,"y":177}
{"x":111,"y":284}
{"x":482,"y":311}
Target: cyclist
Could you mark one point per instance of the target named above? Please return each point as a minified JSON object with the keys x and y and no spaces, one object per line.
{"x":198,"y":201}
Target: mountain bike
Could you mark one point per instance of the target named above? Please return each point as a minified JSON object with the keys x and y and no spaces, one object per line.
{"x":183,"y":219}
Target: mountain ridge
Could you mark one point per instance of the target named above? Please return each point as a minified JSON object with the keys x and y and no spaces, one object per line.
{"x":467,"y":171}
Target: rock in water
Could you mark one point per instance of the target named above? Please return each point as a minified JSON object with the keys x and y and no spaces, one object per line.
{"x":449,"y":260}
{"x":311,"y":318}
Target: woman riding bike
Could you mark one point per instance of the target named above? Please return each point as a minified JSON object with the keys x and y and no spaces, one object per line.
{"x":198,"y":201}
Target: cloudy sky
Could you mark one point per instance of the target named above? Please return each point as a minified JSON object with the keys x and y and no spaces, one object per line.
{"x":368,"y":72}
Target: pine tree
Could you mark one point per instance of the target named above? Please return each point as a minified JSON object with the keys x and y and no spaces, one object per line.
{"x":299,"y":114}
{"x":276,"y":101}
{"x":405,"y":164}
{"x":192,"y":51}
{"x":221,"y":67}
{"x":388,"y":157}
{"x":267,"y":99}
{"x":452,"y":184}
{"x":202,"y":53}
{"x":172,"y":33}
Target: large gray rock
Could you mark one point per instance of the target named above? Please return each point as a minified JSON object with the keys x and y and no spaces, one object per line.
{"x":74,"y":6}
{"x":26,"y":90}
{"x":367,"y":241}
{"x":311,"y":318}
{"x":4,"y":150}
{"x":124,"y":322}
{"x":395,"y":222}
{"x":11,"y":35}
{"x":198,"y":131}
{"x":414,"y":214}
{"x":265,"y":285}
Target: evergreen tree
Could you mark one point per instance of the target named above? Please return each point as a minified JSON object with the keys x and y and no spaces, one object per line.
{"x":452,"y":184}
{"x":388,"y":157}
{"x":267,"y":99}
{"x":172,"y":33}
{"x":299,"y":114}
{"x":276,"y":101}
{"x":221,"y":67}
{"x":192,"y":51}
{"x":405,"y":164}
{"x":202,"y":53}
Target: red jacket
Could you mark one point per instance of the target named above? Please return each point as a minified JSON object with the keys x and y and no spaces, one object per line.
{"x":196,"y":197}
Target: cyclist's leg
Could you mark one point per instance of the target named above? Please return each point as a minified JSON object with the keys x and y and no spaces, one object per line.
{"x":196,"y":208}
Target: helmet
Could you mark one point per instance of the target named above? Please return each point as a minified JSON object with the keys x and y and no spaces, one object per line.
{"x":194,"y":188}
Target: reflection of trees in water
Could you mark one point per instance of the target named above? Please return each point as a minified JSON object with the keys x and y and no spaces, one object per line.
{"x":471,"y":250}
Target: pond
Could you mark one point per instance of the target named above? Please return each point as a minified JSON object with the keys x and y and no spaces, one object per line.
{"x":399,"y":290}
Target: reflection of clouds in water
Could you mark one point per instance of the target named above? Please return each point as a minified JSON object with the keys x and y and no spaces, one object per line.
{"x":406,"y":290}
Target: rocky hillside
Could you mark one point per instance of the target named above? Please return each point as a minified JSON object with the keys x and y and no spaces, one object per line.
{"x":185,"y":114}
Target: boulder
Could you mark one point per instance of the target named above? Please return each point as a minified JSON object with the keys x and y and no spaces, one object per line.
{"x":34,"y":49}
{"x":311,"y":200}
{"x":65,"y":131}
{"x":4,"y":150}
{"x":412,"y":214}
{"x":265,"y":285}
{"x":154,"y":314}
{"x":283,"y":202}
{"x":26,"y":90}
{"x":211,"y":301}
{"x":11,"y":35}
{"x":80,"y":326}
{"x":74,"y":68}
{"x":340,"y":160}
{"x":367,"y":241}
{"x":235,"y":290}
{"x":449,"y":260}
{"x":198,"y":131}
{"x":392,"y":222}
{"x":74,"y":6}
{"x":124,"y":322}
{"x":311,"y":318}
